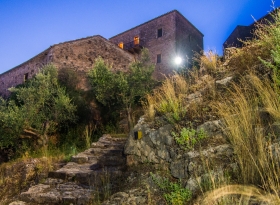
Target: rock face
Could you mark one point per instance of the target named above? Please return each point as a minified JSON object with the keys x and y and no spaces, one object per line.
{"x":157,"y":146}
{"x":79,"y":180}
{"x":152,"y":147}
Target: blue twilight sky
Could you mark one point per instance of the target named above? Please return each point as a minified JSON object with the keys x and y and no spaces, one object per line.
{"x":27,"y":27}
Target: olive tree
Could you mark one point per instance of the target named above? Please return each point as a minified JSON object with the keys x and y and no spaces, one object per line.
{"x":36,"y":109}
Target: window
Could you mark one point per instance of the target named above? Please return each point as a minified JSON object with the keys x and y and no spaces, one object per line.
{"x":159,"y":33}
{"x":158,"y":58}
{"x":136,"y":40}
{"x":25,"y":77}
{"x":121,"y":45}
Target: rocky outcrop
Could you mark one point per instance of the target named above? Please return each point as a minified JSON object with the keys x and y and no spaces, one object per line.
{"x":80,"y":181}
{"x":157,"y":146}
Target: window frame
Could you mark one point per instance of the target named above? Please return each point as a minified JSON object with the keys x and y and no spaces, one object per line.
{"x":25,"y":77}
{"x":159,"y":59}
{"x":159,"y":31}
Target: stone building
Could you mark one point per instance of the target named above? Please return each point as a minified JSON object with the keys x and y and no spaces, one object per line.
{"x":78,"y":55}
{"x":243,"y":33}
{"x":168,"y":36}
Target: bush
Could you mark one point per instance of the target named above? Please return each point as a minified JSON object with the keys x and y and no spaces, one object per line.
{"x":36,"y":110}
{"x":173,"y":192}
{"x":188,"y":137}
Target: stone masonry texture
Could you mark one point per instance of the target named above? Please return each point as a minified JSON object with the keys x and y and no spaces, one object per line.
{"x":179,"y":38}
{"x":78,"y":55}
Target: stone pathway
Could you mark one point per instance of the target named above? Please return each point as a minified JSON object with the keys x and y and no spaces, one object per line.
{"x":79,"y":181}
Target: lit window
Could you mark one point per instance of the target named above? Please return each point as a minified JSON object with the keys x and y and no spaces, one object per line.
{"x":121,"y":45}
{"x":159,"y":33}
{"x":136,"y":40}
{"x":158,"y":58}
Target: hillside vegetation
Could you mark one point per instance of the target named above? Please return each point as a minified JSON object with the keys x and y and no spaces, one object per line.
{"x":49,"y":116}
{"x":243,"y":92}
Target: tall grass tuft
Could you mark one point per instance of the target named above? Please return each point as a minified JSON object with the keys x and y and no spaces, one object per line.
{"x":209,"y":62}
{"x":168,"y":99}
{"x":238,"y":194}
{"x":244,"y":118}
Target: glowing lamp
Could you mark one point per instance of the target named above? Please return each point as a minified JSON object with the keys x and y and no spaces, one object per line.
{"x":178,"y":60}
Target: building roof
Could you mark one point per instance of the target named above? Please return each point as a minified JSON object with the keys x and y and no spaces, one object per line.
{"x":173,"y":11}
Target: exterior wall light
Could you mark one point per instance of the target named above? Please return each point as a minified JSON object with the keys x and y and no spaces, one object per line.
{"x":178,"y":60}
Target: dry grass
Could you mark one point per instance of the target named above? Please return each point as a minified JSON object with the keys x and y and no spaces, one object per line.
{"x":265,"y":42}
{"x":238,"y":194}
{"x":168,"y":99}
{"x":244,"y":121}
{"x":209,"y":62}
{"x":17,"y":176}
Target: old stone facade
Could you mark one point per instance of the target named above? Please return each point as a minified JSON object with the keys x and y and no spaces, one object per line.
{"x":167,"y":37}
{"x":78,"y":55}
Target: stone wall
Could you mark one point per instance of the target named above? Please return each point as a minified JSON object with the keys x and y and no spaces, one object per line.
{"x":78,"y":55}
{"x":239,"y":33}
{"x":22,"y":72}
{"x":179,"y":37}
{"x":175,"y":32}
{"x":158,"y":147}
{"x":189,"y":40}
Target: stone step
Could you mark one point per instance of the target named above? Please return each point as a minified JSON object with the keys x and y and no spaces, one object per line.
{"x":67,"y":193}
{"x":95,"y":153}
{"x":107,"y":141}
{"x":73,"y":171}
{"x":78,"y":180}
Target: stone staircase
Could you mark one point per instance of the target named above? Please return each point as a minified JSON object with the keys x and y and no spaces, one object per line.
{"x":78,"y":182}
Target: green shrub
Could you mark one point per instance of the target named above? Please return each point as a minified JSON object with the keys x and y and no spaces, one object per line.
{"x":188,"y":137}
{"x":173,"y":192}
{"x":36,"y":110}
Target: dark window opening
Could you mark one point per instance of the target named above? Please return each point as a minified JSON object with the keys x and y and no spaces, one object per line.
{"x":66,"y":57}
{"x":158,"y":58}
{"x":159,"y":33}
{"x":25,"y":78}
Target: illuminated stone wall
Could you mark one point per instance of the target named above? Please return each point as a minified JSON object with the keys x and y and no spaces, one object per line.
{"x":179,"y":37}
{"x":176,"y":33}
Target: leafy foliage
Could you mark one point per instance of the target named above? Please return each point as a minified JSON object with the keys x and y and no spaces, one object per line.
{"x":188,"y":137}
{"x":36,"y":109}
{"x":122,"y":90}
{"x":173,"y":192}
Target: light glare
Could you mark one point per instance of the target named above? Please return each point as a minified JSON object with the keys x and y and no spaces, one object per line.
{"x":178,"y":60}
